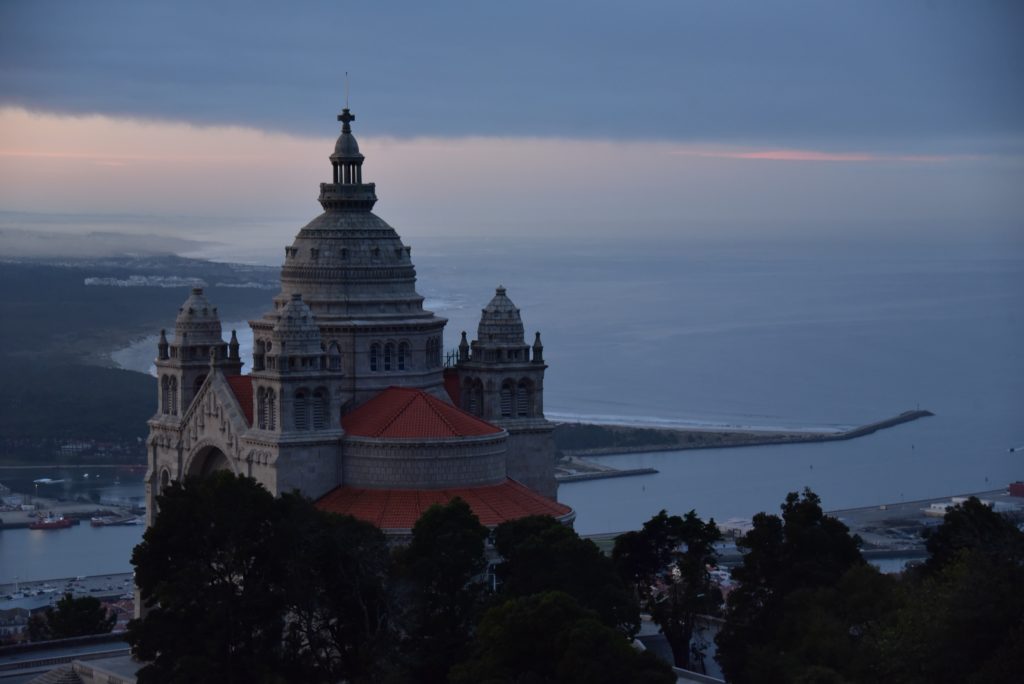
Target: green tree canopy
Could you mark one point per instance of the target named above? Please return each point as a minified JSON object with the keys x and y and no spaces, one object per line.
{"x":975,"y":527}
{"x":962,"y":615}
{"x":442,"y":588}
{"x":539,"y":554}
{"x":549,"y":638}
{"x":240,"y":586}
{"x":337,"y":595}
{"x":72,"y":617}
{"x":212,"y":584}
{"x":667,"y":564}
{"x":803,"y":550}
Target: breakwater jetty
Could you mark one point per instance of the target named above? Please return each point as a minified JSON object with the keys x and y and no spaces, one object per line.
{"x":580,"y":442}
{"x":605,"y":472}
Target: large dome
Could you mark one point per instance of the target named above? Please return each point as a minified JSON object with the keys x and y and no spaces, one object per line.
{"x":351,"y":264}
{"x":347,"y":262}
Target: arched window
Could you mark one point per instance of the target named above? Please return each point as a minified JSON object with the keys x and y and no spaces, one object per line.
{"x":524,"y":398}
{"x":197,"y":385}
{"x":334,"y":356}
{"x":261,"y":408}
{"x":436,"y":360}
{"x":389,"y":353}
{"x":301,"y":410}
{"x":478,"y":397}
{"x":374,"y":357}
{"x":321,"y":404}
{"x":403,"y":354}
{"x":271,"y":410}
{"x":507,"y":398}
{"x":174,"y":396}
{"x":165,"y":394}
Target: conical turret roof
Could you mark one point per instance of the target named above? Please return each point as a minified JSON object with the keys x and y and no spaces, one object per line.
{"x":197,"y":320}
{"x":500,"y":322}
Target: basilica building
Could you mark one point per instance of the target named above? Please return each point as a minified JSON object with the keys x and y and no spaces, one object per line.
{"x":350,"y":398}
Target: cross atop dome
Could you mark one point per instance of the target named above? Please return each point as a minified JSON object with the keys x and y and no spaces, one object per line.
{"x":346,"y":117}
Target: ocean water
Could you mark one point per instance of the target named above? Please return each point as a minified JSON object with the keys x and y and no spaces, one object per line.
{"x":776,"y":335}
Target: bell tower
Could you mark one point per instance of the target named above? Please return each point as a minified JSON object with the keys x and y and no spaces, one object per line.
{"x":502,"y":383}
{"x":298,"y":393}
{"x":183,"y":363}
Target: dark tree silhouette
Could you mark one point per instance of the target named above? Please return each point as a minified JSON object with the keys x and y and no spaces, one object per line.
{"x":962,"y":616}
{"x":72,"y":617}
{"x":549,"y":638}
{"x":442,"y":589}
{"x":803,"y":550}
{"x":667,"y":563}
{"x":540,"y":554}
{"x":240,"y":586}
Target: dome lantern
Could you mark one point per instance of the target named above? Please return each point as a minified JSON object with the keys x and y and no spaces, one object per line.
{"x":347,"y":192}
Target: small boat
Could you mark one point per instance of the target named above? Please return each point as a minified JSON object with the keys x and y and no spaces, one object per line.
{"x":51,"y":522}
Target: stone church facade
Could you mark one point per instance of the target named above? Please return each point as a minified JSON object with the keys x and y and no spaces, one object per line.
{"x":349,"y":398}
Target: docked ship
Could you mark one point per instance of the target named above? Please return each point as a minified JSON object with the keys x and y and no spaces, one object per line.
{"x":51,"y":522}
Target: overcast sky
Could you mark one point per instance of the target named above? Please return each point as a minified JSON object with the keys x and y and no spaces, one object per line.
{"x":672,"y":117}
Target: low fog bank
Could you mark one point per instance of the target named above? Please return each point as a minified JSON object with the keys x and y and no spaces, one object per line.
{"x":43,"y":244}
{"x":260,"y":241}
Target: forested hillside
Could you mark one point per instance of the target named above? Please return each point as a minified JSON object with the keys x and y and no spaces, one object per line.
{"x":60,"y":322}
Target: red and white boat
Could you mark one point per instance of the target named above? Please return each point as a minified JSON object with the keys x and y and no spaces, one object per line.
{"x":51,"y":522}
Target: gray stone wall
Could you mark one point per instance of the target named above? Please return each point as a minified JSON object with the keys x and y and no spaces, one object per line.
{"x":427,"y":464}
{"x":531,"y":457}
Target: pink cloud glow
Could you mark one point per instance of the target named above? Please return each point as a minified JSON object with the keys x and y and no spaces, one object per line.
{"x":819,"y":156}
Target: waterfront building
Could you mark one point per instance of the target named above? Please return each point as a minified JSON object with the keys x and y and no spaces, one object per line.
{"x":350,"y":398}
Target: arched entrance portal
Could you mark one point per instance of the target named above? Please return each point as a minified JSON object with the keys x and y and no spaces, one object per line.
{"x":208,"y":460}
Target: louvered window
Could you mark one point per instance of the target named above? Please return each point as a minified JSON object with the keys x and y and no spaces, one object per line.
{"x":523,"y":397}
{"x":165,"y":399}
{"x":301,"y":411}
{"x":506,"y":400}
{"x":271,"y":410}
{"x":320,"y":406}
{"x":174,"y":396}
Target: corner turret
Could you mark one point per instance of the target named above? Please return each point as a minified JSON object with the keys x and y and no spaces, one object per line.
{"x":184,"y":363}
{"x":499,"y":382}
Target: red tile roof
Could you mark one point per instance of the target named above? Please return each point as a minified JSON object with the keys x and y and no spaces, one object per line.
{"x":241,"y":386}
{"x":408,"y":413}
{"x":399,"y":509}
